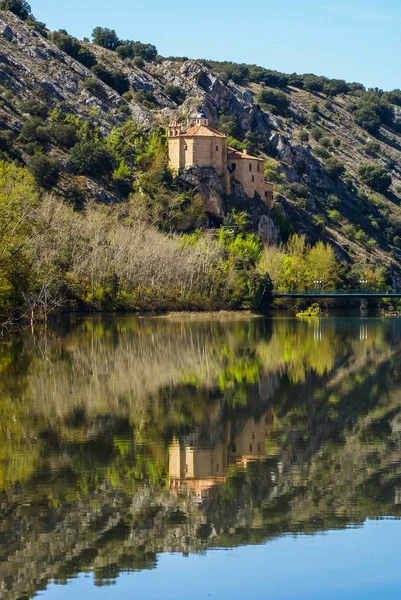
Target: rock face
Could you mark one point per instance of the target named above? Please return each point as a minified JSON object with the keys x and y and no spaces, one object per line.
{"x":268,"y":231}
{"x":210,"y":186}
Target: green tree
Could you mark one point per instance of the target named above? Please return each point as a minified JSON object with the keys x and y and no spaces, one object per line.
{"x":367,"y":118}
{"x":273,"y":98}
{"x":130,"y":49}
{"x":115,"y":79}
{"x":20,"y":8}
{"x":334,"y":167}
{"x":73,"y":47}
{"x":45,"y":170}
{"x":92,"y":158}
{"x":375,"y":176}
{"x":175,"y":93}
{"x":107,"y":38}
{"x":19,"y":201}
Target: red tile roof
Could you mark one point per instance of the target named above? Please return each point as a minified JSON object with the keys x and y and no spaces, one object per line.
{"x":203,"y":130}
{"x":233,"y":154}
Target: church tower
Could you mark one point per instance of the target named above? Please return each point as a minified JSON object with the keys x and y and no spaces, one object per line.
{"x":202,"y":119}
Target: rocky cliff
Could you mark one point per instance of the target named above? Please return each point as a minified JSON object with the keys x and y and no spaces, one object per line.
{"x":325,"y":203}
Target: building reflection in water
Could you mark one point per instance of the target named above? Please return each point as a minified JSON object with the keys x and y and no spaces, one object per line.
{"x":194,"y":469}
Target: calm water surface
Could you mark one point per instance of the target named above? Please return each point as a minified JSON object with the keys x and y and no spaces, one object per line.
{"x":152,"y":458}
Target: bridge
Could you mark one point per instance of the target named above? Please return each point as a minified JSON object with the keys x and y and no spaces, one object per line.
{"x":361,"y":293}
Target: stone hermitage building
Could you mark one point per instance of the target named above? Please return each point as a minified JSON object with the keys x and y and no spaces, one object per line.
{"x":203,"y":146}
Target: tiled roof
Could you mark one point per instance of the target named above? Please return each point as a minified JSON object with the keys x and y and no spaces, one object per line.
{"x":203,"y":130}
{"x":234,"y":154}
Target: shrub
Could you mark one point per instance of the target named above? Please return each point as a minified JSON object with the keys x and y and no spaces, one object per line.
{"x":314,"y":107}
{"x":371,"y":148}
{"x":316,"y":133}
{"x":28,"y":131}
{"x":312,"y":83}
{"x":321,"y":152}
{"x":298,"y":189}
{"x":75,"y":196}
{"x":270,"y":97}
{"x":325,"y":142}
{"x":328,"y":105}
{"x":175,"y":93}
{"x":349,"y":231}
{"x":332,"y":200}
{"x":35,"y":108}
{"x":138,"y":62}
{"x":45,"y":170}
{"x":394,"y":97}
{"x":334,"y":215}
{"x":20,"y":8}
{"x":319,"y":221}
{"x":115,"y":79}
{"x":361,"y":237}
{"x":92,"y":158}
{"x":6,"y":140}
{"x":373,"y":111}
{"x":228,"y":124}
{"x":367,"y":118}
{"x":93,"y":87}
{"x":64,"y":135}
{"x":333,"y":167}
{"x":86,"y":57}
{"x":36,"y":25}
{"x":375,"y":176}
{"x":303,"y":135}
{"x":146,"y":98}
{"x":333,"y":87}
{"x":253,"y":142}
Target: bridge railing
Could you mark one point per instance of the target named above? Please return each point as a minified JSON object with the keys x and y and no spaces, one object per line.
{"x":352,"y":292}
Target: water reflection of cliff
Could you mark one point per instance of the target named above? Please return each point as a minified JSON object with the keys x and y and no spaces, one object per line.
{"x":126,"y":438}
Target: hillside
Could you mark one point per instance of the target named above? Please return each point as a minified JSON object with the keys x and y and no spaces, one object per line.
{"x":315,"y":134}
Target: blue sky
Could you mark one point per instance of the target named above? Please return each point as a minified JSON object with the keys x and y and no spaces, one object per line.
{"x":358,"y":40}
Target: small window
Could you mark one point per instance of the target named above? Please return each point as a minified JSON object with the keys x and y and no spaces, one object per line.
{"x":258,"y":167}
{"x":250,"y":448}
{"x":266,"y":197}
{"x":250,"y":166}
{"x":185,"y":147}
{"x":233,"y":166}
{"x":253,"y":178}
{"x":217,"y":148}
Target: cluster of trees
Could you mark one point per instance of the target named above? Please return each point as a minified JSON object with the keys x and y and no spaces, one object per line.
{"x":275,"y":101}
{"x":297,"y":266}
{"x":108,"y":38}
{"x":117,"y":257}
{"x":243,"y":74}
{"x":73,"y":47}
{"x":22,"y":9}
{"x":375,"y":176}
{"x":372,"y":111}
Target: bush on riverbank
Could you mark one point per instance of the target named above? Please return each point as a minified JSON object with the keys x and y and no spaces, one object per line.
{"x":112,"y":258}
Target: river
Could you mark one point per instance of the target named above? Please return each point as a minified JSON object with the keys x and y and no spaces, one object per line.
{"x":195,"y":458}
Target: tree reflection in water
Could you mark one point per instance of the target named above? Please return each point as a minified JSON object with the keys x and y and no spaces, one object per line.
{"x":125,"y":437}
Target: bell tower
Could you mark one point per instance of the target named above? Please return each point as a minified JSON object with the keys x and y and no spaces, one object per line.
{"x":174,"y":129}
{"x":202,"y":119}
